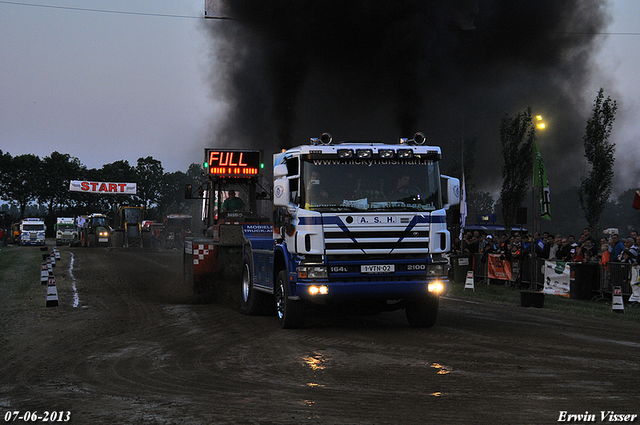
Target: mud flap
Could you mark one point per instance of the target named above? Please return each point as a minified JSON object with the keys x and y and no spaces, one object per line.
{"x":212,"y":270}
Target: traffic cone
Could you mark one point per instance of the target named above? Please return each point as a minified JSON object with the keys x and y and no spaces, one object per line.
{"x":44,"y":273}
{"x":52,"y":296}
{"x":617,"y":304}
{"x":469,"y":283}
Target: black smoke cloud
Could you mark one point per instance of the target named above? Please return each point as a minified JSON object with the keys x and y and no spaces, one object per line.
{"x":380,"y":70}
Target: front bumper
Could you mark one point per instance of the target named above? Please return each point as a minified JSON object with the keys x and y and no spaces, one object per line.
{"x":390,"y":289}
{"x":32,"y":242}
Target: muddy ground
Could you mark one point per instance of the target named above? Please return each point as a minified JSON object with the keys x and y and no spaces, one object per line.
{"x":139,"y":349}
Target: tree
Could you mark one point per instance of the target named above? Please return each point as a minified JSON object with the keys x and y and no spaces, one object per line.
{"x":172,"y":198}
{"x":479,"y":202}
{"x":150,"y":174}
{"x":517,"y":136}
{"x":5,"y":165}
{"x":118,"y":171}
{"x":595,"y":189}
{"x":23,"y":179}
{"x":57,"y":170}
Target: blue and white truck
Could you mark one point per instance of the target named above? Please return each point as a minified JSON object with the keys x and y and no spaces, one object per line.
{"x":32,"y":231}
{"x":361,"y":222}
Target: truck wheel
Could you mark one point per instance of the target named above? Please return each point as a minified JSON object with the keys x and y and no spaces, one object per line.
{"x":422,"y":312}
{"x":252,"y":302}
{"x":290,"y":312}
{"x":117,"y":239}
{"x":91,"y":241}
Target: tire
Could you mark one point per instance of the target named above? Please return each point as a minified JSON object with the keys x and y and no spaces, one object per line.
{"x":83,"y":240}
{"x":252,"y":302}
{"x":91,"y":241}
{"x":290,"y":312}
{"x":422,"y":312}
{"x":117,"y":239}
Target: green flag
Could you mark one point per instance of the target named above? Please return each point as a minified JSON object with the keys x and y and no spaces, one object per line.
{"x":540,"y":180}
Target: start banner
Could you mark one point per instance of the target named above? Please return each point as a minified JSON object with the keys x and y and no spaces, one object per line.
{"x":107,"y":188}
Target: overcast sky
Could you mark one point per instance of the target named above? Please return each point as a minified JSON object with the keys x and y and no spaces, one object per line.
{"x":111,"y":80}
{"x":105,"y":86}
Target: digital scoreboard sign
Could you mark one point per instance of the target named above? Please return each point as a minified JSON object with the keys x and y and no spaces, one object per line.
{"x":232,"y":163}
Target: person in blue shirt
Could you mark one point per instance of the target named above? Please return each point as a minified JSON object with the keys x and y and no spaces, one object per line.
{"x":618,"y":246}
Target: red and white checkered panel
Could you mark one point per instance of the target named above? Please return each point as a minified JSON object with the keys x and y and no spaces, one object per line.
{"x":201,"y":251}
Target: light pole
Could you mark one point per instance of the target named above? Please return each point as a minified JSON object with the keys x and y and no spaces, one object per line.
{"x":540,"y":125}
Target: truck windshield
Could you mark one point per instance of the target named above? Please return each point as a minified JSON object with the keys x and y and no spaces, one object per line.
{"x":371,"y":184}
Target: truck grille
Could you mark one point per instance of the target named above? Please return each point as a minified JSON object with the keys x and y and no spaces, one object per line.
{"x":381,"y":241}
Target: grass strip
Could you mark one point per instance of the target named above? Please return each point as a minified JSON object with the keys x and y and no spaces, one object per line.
{"x":498,"y":293}
{"x":20,"y":287}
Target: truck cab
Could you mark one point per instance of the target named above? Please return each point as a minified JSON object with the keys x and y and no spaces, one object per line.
{"x":65,"y":230}
{"x":32,"y":231}
{"x":361,"y":221}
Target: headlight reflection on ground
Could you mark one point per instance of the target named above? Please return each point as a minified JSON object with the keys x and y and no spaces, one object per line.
{"x":315,"y":362}
{"x":443,"y":370}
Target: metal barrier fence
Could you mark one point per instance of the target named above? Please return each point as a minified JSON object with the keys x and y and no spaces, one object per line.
{"x":608,"y":277}
{"x":619,"y":274}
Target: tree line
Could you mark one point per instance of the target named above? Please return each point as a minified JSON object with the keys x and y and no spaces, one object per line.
{"x":518,"y":139}
{"x":572,"y":208}
{"x":28,"y":180}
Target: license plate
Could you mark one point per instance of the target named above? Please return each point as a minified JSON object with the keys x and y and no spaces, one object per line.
{"x":103,"y":239}
{"x":378,"y":268}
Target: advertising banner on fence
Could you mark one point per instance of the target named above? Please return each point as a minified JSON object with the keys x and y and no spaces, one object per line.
{"x":103,"y":188}
{"x":498,"y":268}
{"x":557,"y":275}
{"x":635,"y":285}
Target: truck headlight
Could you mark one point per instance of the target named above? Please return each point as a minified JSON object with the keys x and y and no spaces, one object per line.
{"x":104,"y":234}
{"x":345,"y":153}
{"x":435,"y":287}
{"x":312,"y":272}
{"x":318,"y":290}
{"x":364,"y":153}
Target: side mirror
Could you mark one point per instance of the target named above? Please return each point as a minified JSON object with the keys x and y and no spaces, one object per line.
{"x":280,"y":170}
{"x":281,"y":194}
{"x":451,"y":191}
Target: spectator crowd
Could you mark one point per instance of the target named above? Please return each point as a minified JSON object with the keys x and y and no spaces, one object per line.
{"x":585,"y":249}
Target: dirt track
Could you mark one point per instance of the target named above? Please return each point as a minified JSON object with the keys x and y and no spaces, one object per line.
{"x":138,"y":350}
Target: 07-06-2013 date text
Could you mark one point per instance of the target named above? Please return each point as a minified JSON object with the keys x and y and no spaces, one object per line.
{"x":46,"y":416}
